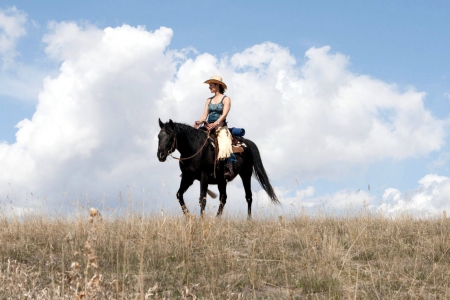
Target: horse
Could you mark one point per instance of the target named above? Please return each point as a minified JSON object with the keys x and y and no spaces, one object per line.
{"x":198,"y":162}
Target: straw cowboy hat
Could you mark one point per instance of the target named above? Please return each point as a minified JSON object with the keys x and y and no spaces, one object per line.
{"x":216,"y":79}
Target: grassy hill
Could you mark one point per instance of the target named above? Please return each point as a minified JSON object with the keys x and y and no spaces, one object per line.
{"x":157,"y":257}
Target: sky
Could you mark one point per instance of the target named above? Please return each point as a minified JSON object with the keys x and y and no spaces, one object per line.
{"x":347,"y":101}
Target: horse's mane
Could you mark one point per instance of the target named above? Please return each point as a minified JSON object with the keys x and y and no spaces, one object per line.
{"x":193,"y":134}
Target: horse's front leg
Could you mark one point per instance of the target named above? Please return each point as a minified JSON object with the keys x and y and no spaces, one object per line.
{"x":186,"y":182}
{"x":222,"y":185}
{"x":203,"y":189}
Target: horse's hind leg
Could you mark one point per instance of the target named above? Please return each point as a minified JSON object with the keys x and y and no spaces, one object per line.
{"x":246,"y":181}
{"x":222,"y":185}
{"x":186,"y":182}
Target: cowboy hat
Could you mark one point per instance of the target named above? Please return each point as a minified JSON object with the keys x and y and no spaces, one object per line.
{"x":216,"y":79}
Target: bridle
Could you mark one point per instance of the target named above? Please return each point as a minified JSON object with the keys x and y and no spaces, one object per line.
{"x":174,"y":146}
{"x":174,"y":143}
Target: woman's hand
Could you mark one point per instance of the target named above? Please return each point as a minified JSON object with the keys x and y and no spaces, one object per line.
{"x":211,"y":126}
{"x":197,"y":124}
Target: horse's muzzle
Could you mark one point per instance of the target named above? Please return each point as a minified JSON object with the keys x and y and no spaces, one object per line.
{"x":161,"y":156}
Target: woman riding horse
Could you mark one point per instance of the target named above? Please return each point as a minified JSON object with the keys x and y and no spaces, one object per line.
{"x":197,"y":154}
{"x":214,"y":116}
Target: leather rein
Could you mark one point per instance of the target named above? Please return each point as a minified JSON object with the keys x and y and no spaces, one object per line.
{"x":174,"y":146}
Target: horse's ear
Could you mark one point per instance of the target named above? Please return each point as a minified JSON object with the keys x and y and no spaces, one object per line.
{"x":171,"y":123}
{"x":161,"y":124}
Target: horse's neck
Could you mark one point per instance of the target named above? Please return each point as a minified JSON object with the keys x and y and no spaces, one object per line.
{"x":189,"y":140}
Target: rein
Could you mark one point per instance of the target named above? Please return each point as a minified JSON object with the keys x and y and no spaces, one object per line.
{"x":174,"y":146}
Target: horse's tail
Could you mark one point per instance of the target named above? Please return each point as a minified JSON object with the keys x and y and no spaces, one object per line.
{"x":260,"y":172}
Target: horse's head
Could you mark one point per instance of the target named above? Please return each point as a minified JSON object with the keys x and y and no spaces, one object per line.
{"x":166,"y":140}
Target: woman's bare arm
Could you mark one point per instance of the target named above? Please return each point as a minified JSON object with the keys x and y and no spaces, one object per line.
{"x":204,"y":116}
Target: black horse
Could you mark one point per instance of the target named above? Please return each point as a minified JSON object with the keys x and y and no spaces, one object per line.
{"x":197,"y":162}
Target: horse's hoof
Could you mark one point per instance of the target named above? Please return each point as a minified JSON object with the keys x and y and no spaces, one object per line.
{"x":185,"y":210}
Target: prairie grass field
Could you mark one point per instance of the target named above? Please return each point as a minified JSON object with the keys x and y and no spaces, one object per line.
{"x":93,"y":256}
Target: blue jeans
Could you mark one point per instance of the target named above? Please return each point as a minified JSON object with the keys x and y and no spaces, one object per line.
{"x":231,"y":159}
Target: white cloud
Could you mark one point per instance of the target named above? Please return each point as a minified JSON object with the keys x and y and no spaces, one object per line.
{"x":23,"y":83}
{"x":441,"y":162}
{"x":318,"y":118}
{"x":12,"y":27}
{"x":16,"y":212}
{"x":95,"y":125}
{"x":431,"y":197}
{"x":344,"y":201}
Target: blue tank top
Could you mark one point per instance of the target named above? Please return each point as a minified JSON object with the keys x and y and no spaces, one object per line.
{"x":215,"y":110}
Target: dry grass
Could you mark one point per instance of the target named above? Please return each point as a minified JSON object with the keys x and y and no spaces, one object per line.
{"x":157,"y":257}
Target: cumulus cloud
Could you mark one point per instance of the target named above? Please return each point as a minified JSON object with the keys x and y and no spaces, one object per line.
{"x":316,"y":119}
{"x":344,"y":201}
{"x":95,"y":124}
{"x":430,"y":198}
{"x":12,"y":27}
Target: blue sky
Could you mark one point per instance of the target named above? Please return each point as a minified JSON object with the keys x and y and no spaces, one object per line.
{"x":401,"y":43}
